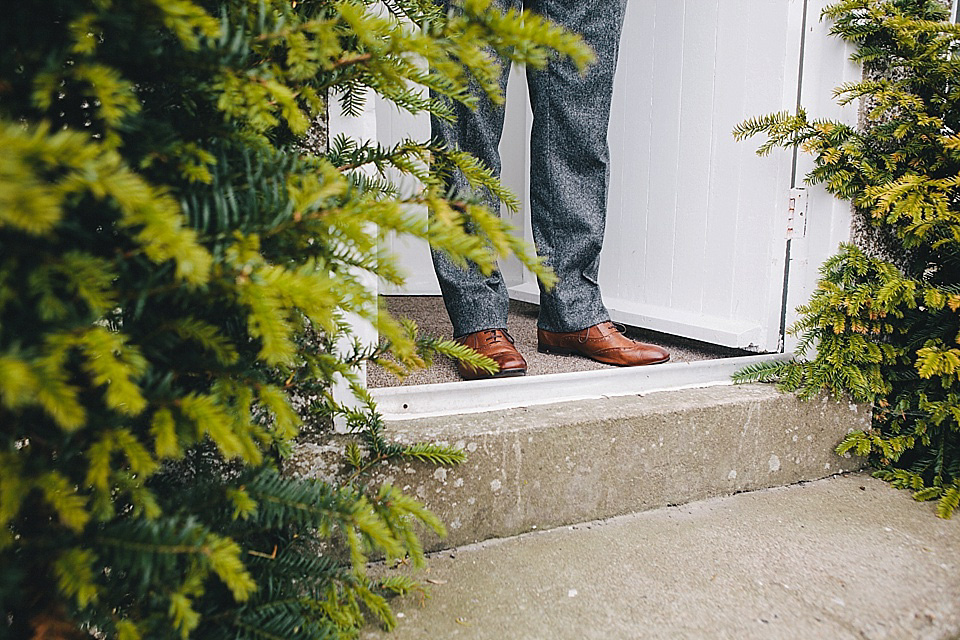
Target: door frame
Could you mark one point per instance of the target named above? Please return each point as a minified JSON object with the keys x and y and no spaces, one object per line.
{"x":817,"y":54}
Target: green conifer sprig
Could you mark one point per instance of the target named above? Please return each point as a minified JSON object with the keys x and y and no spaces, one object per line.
{"x":174,"y":274}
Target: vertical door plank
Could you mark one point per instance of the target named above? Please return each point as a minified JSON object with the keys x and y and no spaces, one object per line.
{"x":413,"y":255}
{"x":515,"y":167}
{"x":759,"y":252}
{"x":621,"y":265}
{"x":726,"y":164}
{"x":667,"y":84}
{"x":697,"y":135}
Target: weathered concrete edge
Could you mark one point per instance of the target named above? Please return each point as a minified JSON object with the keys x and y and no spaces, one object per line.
{"x":553,"y":465}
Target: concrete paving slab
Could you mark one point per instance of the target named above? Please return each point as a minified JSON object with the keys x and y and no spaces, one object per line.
{"x":844,"y":557}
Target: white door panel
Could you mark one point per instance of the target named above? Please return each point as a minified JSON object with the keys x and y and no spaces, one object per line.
{"x":696,"y":229}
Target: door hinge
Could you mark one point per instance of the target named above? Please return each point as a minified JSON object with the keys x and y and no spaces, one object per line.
{"x":797,"y":213}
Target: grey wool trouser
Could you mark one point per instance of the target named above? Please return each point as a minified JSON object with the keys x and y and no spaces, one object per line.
{"x":569,"y":174}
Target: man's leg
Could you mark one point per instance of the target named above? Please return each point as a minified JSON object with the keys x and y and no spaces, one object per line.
{"x":568,"y":192}
{"x":474,"y":301}
{"x":570,"y":162}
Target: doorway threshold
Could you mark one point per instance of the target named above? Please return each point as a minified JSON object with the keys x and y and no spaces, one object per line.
{"x":452,"y":398}
{"x":431,"y":318}
{"x":438,"y":390}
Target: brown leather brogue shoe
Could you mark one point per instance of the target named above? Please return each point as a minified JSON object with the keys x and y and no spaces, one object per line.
{"x":497,"y":345}
{"x":604,"y":343}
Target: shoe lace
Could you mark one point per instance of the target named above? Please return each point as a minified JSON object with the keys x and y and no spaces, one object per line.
{"x":492,"y":336}
{"x":610,"y":327}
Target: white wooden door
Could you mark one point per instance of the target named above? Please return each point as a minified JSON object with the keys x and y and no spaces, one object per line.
{"x":696,"y":240}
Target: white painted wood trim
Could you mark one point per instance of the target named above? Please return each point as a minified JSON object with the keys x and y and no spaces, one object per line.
{"x":826,"y":65}
{"x":361,"y":128}
{"x":453,"y":398}
{"x":712,"y":329}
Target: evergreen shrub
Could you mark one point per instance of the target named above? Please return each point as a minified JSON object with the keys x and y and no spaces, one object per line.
{"x":174,"y":270}
{"x":883,"y":324}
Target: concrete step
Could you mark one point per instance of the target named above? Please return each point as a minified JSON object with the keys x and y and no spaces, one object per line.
{"x":546,"y":466}
{"x":843,"y":558}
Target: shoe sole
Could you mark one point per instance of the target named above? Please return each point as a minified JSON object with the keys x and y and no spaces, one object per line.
{"x":566,"y":351}
{"x":507,"y":373}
